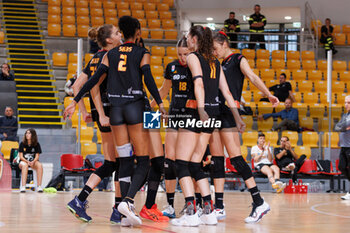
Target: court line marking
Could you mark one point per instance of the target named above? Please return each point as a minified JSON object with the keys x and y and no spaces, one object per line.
{"x":103,"y":216}
{"x":313,"y":208}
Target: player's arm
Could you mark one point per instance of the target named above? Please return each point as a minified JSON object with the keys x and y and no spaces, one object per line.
{"x":96,"y":97}
{"x":82,"y":78}
{"x":163,"y":91}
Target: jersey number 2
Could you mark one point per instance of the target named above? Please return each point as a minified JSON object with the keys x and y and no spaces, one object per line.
{"x":122,"y":62}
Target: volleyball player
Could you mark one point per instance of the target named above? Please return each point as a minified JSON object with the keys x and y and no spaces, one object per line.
{"x":235,"y":67}
{"x":108,"y":37}
{"x":203,"y":104}
{"x":176,"y":77}
{"x":125,"y":66}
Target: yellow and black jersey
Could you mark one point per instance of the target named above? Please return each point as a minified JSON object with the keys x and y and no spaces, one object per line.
{"x":125,"y":75}
{"x":182,"y":85}
{"x":234,"y":22}
{"x":90,"y":69}
{"x":257,"y":18}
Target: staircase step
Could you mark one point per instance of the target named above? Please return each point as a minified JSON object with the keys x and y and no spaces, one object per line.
{"x":38,"y":105}
{"x":38,"y":99}
{"x":18,"y":9}
{"x":36,"y":76}
{"x":22,"y":5}
{"x":30,"y":46}
{"x":15,"y":35}
{"x":41,"y":119}
{"x":23,"y":30}
{"x":38,"y":112}
{"x":23,"y":60}
{"x":36,"y":93}
{"x":25,"y":14}
{"x":17,"y":25}
{"x":22,"y":40}
{"x":33,"y":86}
{"x":26,"y":65}
{"x":27,"y":56}
{"x":21,"y":21}
{"x":20,"y":17}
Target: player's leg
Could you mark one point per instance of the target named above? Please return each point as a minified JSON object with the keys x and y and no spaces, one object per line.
{"x":38,"y":167}
{"x":276,"y":174}
{"x":24,"y":173}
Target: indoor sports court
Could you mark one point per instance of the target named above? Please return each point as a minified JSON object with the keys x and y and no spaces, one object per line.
{"x":174,"y":116}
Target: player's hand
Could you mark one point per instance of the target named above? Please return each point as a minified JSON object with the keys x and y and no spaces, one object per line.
{"x":240,"y":125}
{"x":260,"y":117}
{"x":87,"y":117}
{"x":203,"y":115}
{"x":162,"y":110}
{"x":69,"y":111}
{"x":153,"y":103}
{"x":274,"y":101}
{"x":104,"y":121}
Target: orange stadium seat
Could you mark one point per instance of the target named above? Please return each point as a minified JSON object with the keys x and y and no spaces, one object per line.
{"x":143,"y":23}
{"x":302,"y":108}
{"x":307,"y":55}
{"x":307,"y":122}
{"x":263,"y":64}
{"x":81,"y":3}
{"x":59,"y":59}
{"x":110,"y":12}
{"x":139,"y":14}
{"x":165,"y":15}
{"x":157,"y":70}
{"x":338,"y":86}
{"x":156,"y":60}
{"x":97,"y":21}
{"x":334,"y":139}
{"x":82,"y":12}
{"x":108,"y":5}
{"x":54,"y":29}
{"x":265,"y":125}
{"x":67,"y":3}
{"x":309,"y":97}
{"x":136,"y":6}
{"x":97,"y":12}
{"x":293,"y":55}
{"x":322,"y":64}
{"x":54,"y":19}
{"x":170,"y":35}
{"x":248,"y":53}
{"x":162,"y":7}
{"x":339,"y":65}
{"x":145,"y":34}
{"x":320,"y":86}
{"x":68,"y":19}
{"x":339,"y":38}
{"x":171,"y":51}
{"x":2,"y":37}
{"x":346,"y":29}
{"x":72,"y":67}
{"x":265,"y":107}
{"x":94,"y":4}
{"x":309,"y":65}
{"x":277,"y":63}
{"x":316,"y":110}
{"x":248,"y":120}
{"x":112,"y":20}
{"x":153,"y":23}
{"x":280,"y":71}
{"x":271,"y":137}
{"x":148,"y":6}
{"x":277,"y":54}
{"x":88,"y":57}
{"x":151,"y":14}
{"x":83,"y":20}
{"x":68,"y":11}
{"x":158,"y":51}
{"x":314,"y":75}
{"x":83,"y":30}
{"x":168,"y":59}
{"x":310,"y":139}
{"x":169,"y":2}
{"x":6,"y":148}
{"x":86,"y":134}
{"x":72,"y":58}
{"x":249,"y":138}
{"x":267,"y":74}
{"x":262,"y":54}
{"x":123,"y":5}
{"x":154,"y":1}
{"x":344,"y":76}
{"x":54,"y":3}
{"x":299,"y":75}
{"x":251,"y":63}
{"x":157,"y":34}
{"x":292,"y":135}
{"x":54,"y":10}
{"x":303,"y":150}
{"x":336,"y":28}
{"x":88,"y":148}
{"x":293,"y":64}
{"x":168,"y":24}
{"x":123,"y":12}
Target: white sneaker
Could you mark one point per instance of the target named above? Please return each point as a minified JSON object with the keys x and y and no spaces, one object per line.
{"x":199,"y":210}
{"x":209,"y":219}
{"x":169,"y":211}
{"x":39,"y":189}
{"x":22,"y":189}
{"x":187,"y":221}
{"x":257,"y":213}
{"x":281,"y":187}
{"x":125,"y":222}
{"x":128,"y":210}
{"x":346,"y":196}
{"x":220,"y":214}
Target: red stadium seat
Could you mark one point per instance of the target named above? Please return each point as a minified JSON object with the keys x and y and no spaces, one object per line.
{"x":309,"y":167}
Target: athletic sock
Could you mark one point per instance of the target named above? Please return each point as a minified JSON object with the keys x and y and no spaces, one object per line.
{"x":207,"y":201}
{"x":140,"y":173}
{"x":84,"y":193}
{"x":198,"y":199}
{"x":117,"y":201}
{"x":256,"y":196}
{"x":170,"y":198}
{"x":219,"y":200}
{"x":151,"y":194}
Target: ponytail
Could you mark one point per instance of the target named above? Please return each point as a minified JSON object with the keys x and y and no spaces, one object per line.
{"x":92,"y":33}
{"x":182,"y":42}
{"x":221,"y":38}
{"x":205,"y":41}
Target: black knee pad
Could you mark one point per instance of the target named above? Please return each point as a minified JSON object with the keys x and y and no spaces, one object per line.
{"x":182,"y":168}
{"x":196,"y":171}
{"x":217,"y":169}
{"x":106,"y":169}
{"x":156,"y":170}
{"x":116,"y":173}
{"x":169,"y":169}
{"x":242,"y":167}
{"x":126,"y":169}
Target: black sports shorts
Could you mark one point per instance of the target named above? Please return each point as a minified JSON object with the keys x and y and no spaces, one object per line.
{"x":95,"y":118}
{"x":130,"y":113}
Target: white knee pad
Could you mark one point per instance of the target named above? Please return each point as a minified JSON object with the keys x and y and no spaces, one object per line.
{"x":124,"y":151}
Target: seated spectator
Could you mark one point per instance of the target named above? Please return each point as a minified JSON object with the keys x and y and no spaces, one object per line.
{"x":262,"y":155}
{"x":6,"y":73}
{"x":68,"y":88}
{"x":327,"y":36}
{"x":29,"y":151}
{"x":8,"y":126}
{"x":289,"y":116}
{"x":287,"y":159}
{"x":282,"y":91}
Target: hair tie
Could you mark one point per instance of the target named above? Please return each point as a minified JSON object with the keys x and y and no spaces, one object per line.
{"x":223,"y":33}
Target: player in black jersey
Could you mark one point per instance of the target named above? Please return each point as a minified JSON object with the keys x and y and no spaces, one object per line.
{"x":108,"y":37}
{"x":176,"y":76}
{"x":202,"y":104}
{"x":125,"y":66}
{"x":235,"y":67}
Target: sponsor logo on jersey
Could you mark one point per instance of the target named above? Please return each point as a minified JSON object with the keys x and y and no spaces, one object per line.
{"x":172,"y":68}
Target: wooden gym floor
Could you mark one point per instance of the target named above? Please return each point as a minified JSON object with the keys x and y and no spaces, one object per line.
{"x":47,"y":213}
